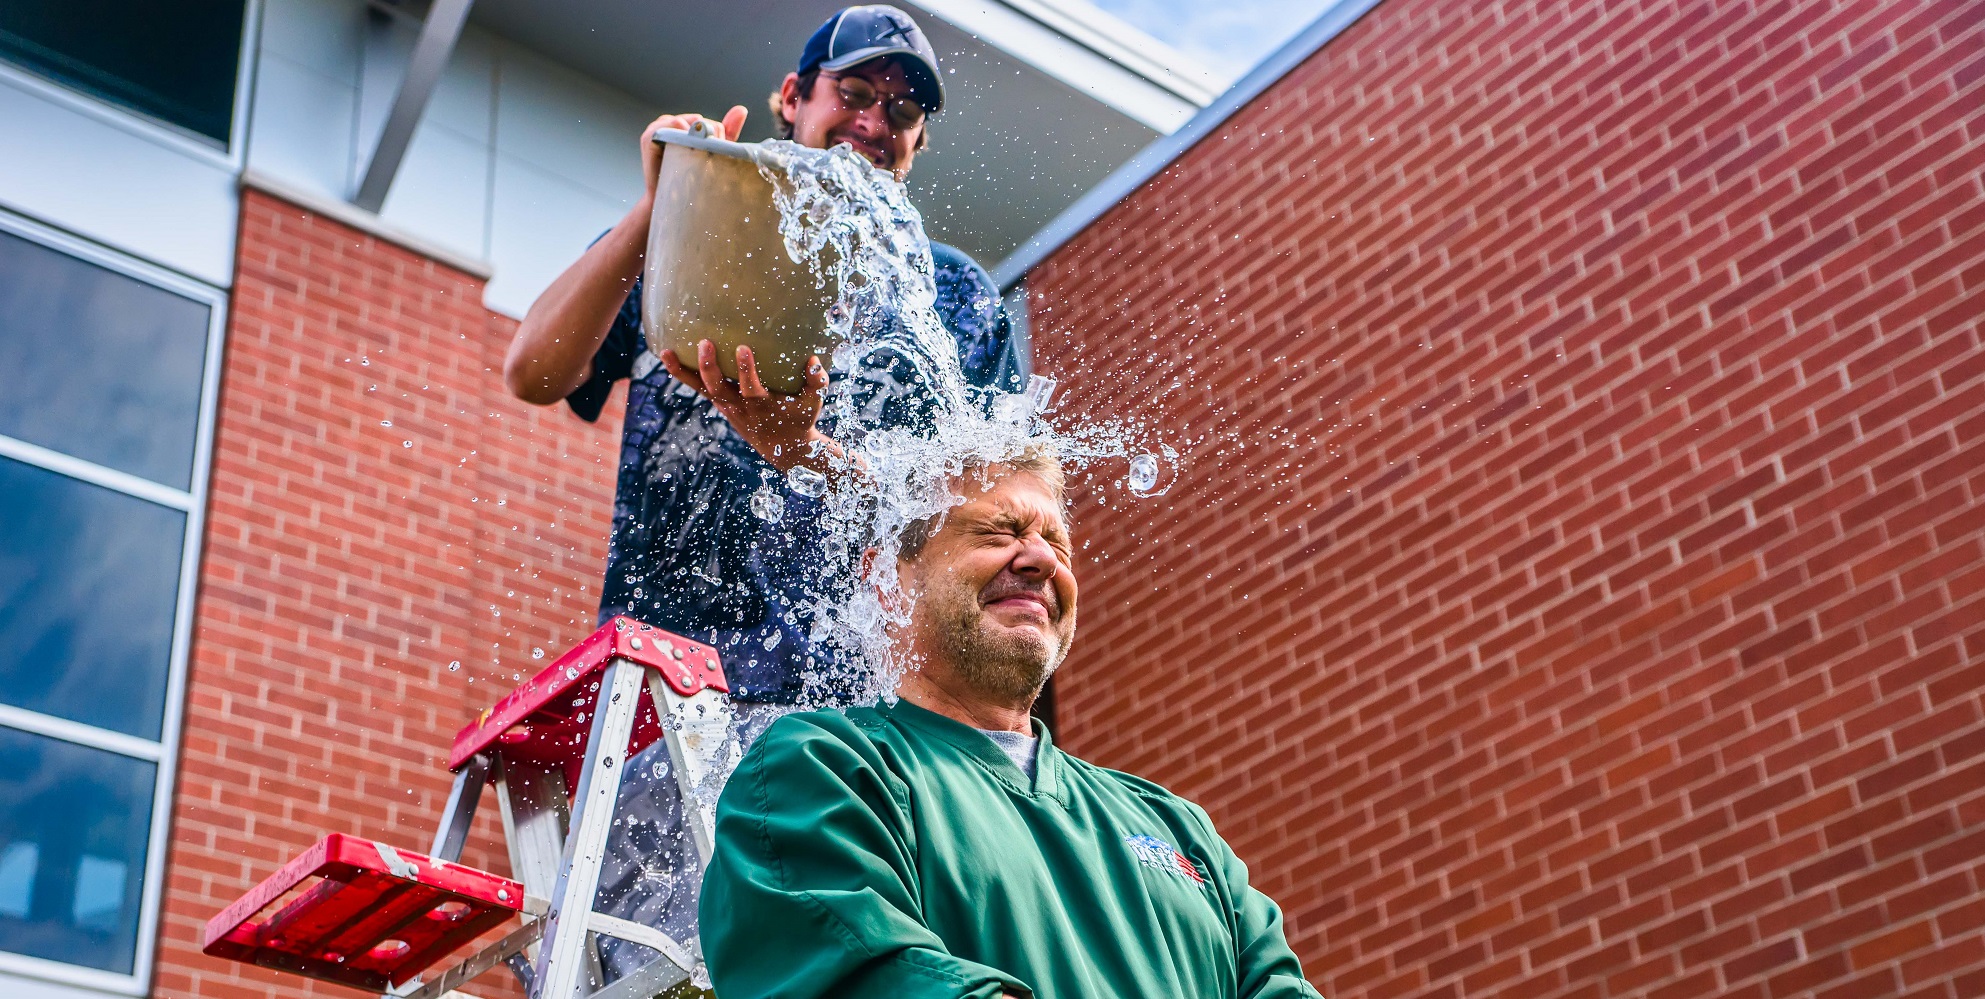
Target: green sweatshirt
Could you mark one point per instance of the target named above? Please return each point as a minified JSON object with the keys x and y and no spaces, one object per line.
{"x":893,"y":852}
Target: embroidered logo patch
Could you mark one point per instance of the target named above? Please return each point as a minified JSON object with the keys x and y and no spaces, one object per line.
{"x":1158,"y":855}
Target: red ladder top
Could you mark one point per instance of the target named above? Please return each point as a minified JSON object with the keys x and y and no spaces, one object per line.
{"x":545,"y":719}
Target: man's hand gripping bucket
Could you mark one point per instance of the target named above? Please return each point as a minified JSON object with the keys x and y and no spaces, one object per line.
{"x":717,"y":269}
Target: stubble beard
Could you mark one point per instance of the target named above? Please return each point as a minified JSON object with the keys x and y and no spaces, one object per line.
{"x":1008,"y":666}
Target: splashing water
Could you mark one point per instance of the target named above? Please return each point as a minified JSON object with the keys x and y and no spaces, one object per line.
{"x":853,"y":225}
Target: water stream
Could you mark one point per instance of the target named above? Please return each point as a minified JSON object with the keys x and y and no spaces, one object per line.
{"x":855,"y":228}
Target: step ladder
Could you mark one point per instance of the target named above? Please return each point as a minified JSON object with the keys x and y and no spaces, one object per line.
{"x":373,"y":917}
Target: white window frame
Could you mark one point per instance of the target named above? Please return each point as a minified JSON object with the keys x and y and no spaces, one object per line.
{"x":232,"y":156}
{"x":193,"y":503}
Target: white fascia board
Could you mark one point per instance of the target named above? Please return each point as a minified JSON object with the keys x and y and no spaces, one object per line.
{"x":1123,"y":44}
{"x":367,"y":222}
{"x":1037,"y":43}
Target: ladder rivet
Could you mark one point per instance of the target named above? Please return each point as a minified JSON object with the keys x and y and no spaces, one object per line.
{"x":635,"y":641}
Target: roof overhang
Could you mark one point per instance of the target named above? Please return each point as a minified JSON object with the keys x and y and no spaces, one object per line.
{"x":1046,"y":97}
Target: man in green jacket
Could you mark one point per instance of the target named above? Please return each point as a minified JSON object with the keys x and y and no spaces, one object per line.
{"x":941,"y":846}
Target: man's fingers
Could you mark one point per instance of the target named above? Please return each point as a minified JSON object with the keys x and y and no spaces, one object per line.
{"x":682,"y":122}
{"x":816,"y":376}
{"x":748,"y":382}
{"x":715,"y":385}
{"x":734,"y":121}
{"x":665,"y":121}
{"x":681,"y":372}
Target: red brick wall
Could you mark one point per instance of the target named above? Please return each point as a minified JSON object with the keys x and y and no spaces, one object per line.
{"x":1577,"y":587}
{"x":344,"y":570}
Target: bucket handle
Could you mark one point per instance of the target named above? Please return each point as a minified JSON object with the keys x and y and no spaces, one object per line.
{"x":708,"y":136}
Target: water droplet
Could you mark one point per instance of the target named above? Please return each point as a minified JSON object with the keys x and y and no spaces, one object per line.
{"x":406,"y":443}
{"x":537,"y":653}
{"x":806,"y":482}
{"x":659,"y":771}
{"x":385,"y":423}
{"x":767,"y":505}
{"x":1149,"y":476}
{"x":1040,"y":391}
{"x":571,"y":673}
{"x":657,"y":870}
{"x":452,"y":667}
{"x":773,"y":638}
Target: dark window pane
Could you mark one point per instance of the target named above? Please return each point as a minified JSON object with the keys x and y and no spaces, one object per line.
{"x":173,"y":61}
{"x":73,"y":826}
{"x":99,"y":365}
{"x":88,"y":582}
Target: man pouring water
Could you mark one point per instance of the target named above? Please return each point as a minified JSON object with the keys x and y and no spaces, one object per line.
{"x":685,"y":553}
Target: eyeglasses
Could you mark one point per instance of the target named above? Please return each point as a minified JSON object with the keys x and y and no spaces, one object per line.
{"x":858,"y":95}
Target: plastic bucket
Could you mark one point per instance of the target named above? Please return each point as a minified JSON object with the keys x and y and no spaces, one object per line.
{"x":717,"y":270}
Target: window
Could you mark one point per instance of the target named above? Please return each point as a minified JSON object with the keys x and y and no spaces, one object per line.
{"x":75,"y":828}
{"x":73,"y":557}
{"x":99,"y":365}
{"x":176,"y":62}
{"x":108,"y":368}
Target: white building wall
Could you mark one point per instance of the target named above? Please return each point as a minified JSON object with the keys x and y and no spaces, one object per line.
{"x":116,"y":179}
{"x":518,"y":162}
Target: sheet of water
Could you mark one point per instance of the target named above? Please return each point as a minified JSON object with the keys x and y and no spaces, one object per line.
{"x":854,"y":227}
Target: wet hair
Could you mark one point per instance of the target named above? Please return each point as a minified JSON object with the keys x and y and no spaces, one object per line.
{"x":1041,"y":462}
{"x":782,"y":126}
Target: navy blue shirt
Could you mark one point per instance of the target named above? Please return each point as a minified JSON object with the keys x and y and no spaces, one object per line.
{"x":687,"y":553}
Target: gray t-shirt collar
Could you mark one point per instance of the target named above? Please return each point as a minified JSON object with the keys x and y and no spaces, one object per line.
{"x":1017,"y":747}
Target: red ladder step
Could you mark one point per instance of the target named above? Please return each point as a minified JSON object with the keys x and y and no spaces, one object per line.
{"x":373,"y":918}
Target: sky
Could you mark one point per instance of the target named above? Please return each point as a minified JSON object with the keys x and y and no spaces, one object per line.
{"x":1228,"y":36}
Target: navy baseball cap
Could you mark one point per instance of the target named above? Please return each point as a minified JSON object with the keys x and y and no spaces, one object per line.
{"x":858,"y":34}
